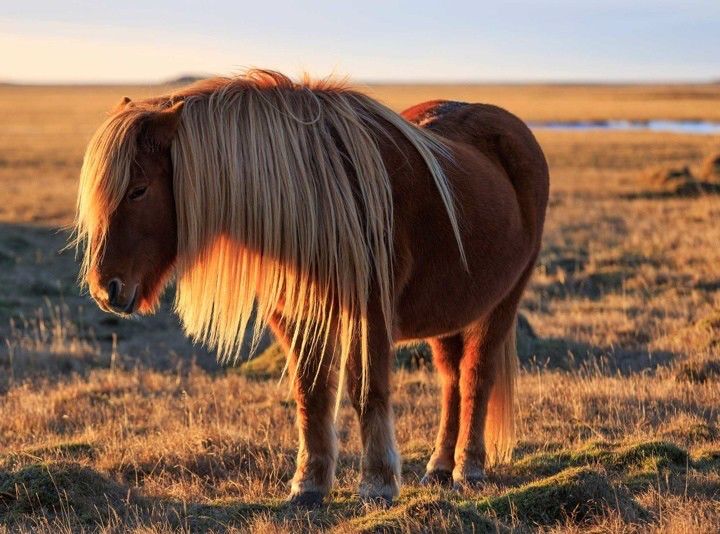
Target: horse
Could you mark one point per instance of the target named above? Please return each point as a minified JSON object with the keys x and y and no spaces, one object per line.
{"x":311,"y":208}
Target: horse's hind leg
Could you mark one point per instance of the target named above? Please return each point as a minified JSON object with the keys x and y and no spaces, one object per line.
{"x":380,"y":468}
{"x":447,"y":352}
{"x":487,"y":373}
{"x":317,"y":449}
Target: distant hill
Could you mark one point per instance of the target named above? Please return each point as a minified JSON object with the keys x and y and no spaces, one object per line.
{"x":185,"y":79}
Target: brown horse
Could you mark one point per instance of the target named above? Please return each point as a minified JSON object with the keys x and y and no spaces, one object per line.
{"x":346,"y":228}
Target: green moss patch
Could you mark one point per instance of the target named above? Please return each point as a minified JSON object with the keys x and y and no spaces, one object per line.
{"x":269,"y":364}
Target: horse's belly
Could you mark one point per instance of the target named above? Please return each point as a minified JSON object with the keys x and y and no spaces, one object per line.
{"x":444,"y":300}
{"x":424,"y":318}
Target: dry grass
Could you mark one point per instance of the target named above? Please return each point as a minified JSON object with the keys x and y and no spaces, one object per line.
{"x":116,"y":426}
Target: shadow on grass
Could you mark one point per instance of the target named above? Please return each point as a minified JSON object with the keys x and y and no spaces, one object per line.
{"x":570,"y":355}
{"x":50,"y":328}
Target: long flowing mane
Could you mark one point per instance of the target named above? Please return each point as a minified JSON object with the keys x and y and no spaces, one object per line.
{"x":283,"y":202}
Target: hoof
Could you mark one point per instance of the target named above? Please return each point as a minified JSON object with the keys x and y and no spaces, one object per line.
{"x":469,"y":483}
{"x":437,"y":477}
{"x":381,"y":501}
{"x":378,"y":494}
{"x":306,"y":499}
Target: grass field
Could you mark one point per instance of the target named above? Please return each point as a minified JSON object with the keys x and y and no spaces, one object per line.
{"x":117,"y":425}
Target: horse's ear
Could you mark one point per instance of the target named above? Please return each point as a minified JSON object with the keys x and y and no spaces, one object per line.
{"x":161,"y":126}
{"x":125,"y":102}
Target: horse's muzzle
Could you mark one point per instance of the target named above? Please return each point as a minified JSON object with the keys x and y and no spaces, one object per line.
{"x":116,"y":302}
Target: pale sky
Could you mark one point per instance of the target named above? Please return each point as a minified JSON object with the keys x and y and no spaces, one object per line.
{"x":563,"y":40}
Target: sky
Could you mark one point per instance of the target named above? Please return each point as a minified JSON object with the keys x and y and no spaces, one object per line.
{"x":98,"y":41}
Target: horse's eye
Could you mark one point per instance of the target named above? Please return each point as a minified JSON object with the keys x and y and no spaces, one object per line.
{"x":137,"y":193}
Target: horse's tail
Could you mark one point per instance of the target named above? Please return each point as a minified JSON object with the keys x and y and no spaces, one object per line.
{"x":499,"y":423}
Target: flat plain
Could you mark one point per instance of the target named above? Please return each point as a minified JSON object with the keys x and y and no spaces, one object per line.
{"x":125,"y":425}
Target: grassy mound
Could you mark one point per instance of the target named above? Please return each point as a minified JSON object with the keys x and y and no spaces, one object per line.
{"x":419,"y":512}
{"x":574,"y":494}
{"x":53,"y":489}
{"x":611,"y":456}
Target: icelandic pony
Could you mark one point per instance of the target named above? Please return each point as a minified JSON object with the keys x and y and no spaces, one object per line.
{"x":344,"y":227}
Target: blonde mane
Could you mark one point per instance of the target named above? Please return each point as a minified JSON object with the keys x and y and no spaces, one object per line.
{"x":283,"y":203}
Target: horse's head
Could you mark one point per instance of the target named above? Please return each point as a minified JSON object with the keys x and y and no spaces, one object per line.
{"x":132,"y":246}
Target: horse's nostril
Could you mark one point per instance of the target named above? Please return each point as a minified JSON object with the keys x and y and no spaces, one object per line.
{"x":113,"y":290}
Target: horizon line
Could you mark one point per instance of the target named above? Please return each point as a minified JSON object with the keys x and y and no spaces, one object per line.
{"x":178,"y":80}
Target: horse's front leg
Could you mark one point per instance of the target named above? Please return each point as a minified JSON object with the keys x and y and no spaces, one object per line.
{"x":380,"y":466}
{"x":314,"y":391}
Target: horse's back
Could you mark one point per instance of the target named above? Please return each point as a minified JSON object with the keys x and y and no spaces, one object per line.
{"x":498,"y":135}
{"x":500,"y":181}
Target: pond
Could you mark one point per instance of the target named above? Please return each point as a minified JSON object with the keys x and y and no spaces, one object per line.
{"x":699,"y":127}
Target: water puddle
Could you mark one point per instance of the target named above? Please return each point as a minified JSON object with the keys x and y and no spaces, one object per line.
{"x":697,"y":127}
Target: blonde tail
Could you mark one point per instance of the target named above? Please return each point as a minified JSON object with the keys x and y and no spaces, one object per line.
{"x":499,"y":424}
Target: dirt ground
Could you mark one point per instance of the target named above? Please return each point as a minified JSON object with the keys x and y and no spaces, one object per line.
{"x":125,"y":425}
